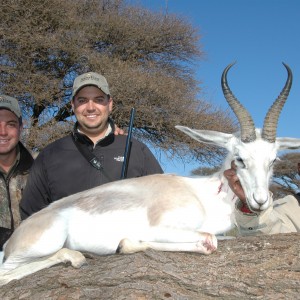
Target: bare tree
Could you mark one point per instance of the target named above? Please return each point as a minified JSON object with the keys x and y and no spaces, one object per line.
{"x":286,"y":179}
{"x":206,"y":171}
{"x":148,"y":59}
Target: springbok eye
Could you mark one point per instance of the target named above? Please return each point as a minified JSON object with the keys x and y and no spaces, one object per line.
{"x":240,"y":162}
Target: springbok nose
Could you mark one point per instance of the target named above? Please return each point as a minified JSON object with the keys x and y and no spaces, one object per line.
{"x":261,"y":197}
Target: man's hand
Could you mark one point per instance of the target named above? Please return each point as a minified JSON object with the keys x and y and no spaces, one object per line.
{"x":234,"y":182}
{"x":119,"y":131}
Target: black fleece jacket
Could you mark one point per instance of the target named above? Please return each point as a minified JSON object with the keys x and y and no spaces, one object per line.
{"x":61,"y":170}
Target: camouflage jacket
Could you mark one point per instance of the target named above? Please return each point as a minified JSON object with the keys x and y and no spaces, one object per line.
{"x":11,"y":187}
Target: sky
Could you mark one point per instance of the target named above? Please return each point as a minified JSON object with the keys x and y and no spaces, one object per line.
{"x":256,"y":34}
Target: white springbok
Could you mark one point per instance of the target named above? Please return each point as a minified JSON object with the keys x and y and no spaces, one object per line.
{"x":162,"y":212}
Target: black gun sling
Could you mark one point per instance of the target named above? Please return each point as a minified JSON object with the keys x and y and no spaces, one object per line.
{"x":86,"y":153}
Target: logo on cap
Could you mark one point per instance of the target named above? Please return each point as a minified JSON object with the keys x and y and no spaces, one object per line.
{"x":89,"y":77}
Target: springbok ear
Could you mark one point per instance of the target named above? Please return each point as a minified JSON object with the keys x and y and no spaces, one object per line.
{"x":208,"y":136}
{"x":288,"y":143}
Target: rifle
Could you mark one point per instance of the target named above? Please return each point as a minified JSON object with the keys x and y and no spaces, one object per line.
{"x":128,"y":146}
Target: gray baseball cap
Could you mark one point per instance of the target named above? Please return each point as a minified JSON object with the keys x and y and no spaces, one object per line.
{"x":11,"y":104}
{"x":90,"y":78}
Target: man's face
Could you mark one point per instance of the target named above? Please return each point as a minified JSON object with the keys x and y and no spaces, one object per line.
{"x":10,"y":130}
{"x":92,"y":108}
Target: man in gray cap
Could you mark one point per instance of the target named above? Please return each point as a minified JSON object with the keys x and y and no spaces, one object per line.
{"x":92,"y":155}
{"x":15,"y":162}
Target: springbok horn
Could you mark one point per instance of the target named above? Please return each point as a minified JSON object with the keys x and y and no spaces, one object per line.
{"x":246,"y":123}
{"x":271,"y":119}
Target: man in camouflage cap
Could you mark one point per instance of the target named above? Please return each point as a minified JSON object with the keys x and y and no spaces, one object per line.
{"x":15,"y":162}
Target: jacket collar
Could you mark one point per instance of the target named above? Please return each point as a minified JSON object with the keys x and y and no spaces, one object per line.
{"x":26,"y":159}
{"x":82,"y":138}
